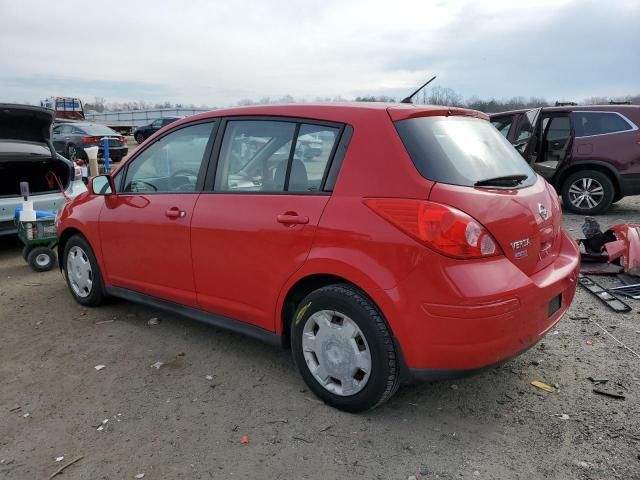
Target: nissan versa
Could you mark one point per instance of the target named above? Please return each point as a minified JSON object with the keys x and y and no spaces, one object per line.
{"x":417,"y":244}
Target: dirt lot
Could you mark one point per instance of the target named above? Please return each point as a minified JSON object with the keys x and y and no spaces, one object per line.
{"x":186,"y":419}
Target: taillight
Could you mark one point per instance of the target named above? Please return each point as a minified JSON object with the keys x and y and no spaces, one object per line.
{"x":88,"y":140}
{"x":123,"y":139}
{"x":440,"y":227}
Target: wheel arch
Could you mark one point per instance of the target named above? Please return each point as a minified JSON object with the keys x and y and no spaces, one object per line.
{"x":306,"y":284}
{"x":599,"y":166}
{"x":64,"y":237}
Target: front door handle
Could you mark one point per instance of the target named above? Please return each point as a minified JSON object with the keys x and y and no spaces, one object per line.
{"x":292,"y":218}
{"x":175,"y":212}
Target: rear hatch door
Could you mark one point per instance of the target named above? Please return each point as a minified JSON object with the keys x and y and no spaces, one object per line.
{"x":479,"y":172}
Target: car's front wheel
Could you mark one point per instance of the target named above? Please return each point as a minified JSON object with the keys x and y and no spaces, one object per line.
{"x":82,"y":272}
{"x":139,"y":137}
{"x":344,"y":349}
{"x":587,"y":192}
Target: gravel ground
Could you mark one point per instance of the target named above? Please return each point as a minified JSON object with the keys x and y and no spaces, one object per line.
{"x":187,"y":419}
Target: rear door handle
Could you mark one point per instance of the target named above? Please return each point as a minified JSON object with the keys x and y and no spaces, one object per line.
{"x":175,"y":212}
{"x":291,"y":218}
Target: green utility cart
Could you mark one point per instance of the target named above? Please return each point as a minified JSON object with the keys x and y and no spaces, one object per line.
{"x":40,"y":238}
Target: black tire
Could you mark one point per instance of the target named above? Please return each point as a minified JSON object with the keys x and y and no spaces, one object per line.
{"x":139,"y":137}
{"x":96,"y":296}
{"x":595,"y":180}
{"x":41,"y":259}
{"x":25,"y":252}
{"x":72,"y":152}
{"x":347,"y":300}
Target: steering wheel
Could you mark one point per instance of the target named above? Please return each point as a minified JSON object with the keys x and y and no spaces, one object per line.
{"x":185,"y":186}
{"x":136,"y":182}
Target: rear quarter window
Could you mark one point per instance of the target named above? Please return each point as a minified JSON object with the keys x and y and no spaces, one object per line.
{"x":460,"y":150}
{"x":587,"y":124}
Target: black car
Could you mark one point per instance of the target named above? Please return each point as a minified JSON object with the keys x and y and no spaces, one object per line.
{"x":70,"y":140}
{"x":145,"y":131}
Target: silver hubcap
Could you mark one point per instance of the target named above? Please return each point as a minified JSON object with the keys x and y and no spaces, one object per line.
{"x":42,"y":260}
{"x":336,"y":352}
{"x":586,"y":193}
{"x":79,"y":272}
{"x":72,"y":153}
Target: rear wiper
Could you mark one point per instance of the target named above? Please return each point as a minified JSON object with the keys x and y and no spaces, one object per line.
{"x":504,"y":181}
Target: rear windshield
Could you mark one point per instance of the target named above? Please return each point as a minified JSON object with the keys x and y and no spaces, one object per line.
{"x":98,"y":130}
{"x":460,"y":150}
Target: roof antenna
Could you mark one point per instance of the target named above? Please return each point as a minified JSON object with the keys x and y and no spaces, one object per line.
{"x":409,"y":99}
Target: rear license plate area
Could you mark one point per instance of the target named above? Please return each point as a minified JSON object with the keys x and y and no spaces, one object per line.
{"x":554,"y":305}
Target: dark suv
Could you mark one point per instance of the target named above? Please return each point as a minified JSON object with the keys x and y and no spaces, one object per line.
{"x":145,"y":131}
{"x":591,"y":155}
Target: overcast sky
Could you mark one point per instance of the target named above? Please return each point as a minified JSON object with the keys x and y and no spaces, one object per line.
{"x":217,"y":52}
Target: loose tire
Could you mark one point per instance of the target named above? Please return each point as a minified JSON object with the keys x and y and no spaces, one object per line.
{"x":587,"y":192}
{"x":344,"y":349}
{"x":82,"y":272}
{"x":139,"y":138}
{"x":41,"y":259}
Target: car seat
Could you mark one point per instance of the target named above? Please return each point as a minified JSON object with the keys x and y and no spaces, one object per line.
{"x":298,"y":179}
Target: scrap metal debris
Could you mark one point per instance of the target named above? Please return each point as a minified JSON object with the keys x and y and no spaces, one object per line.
{"x":617,"y":249}
{"x":631,"y":291}
{"x":99,"y":367}
{"x":602,"y":294}
{"x":617,"y":396}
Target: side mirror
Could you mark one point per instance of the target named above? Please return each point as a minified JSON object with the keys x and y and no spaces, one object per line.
{"x":102,"y":185}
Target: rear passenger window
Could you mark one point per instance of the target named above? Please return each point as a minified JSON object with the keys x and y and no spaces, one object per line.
{"x":599,"y":123}
{"x":314,"y":147}
{"x":257,"y":156}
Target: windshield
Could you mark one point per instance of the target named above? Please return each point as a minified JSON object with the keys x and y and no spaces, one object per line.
{"x":461,"y":150}
{"x":98,"y":130}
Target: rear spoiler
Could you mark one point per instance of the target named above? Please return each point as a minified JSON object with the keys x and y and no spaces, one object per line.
{"x":407,"y":111}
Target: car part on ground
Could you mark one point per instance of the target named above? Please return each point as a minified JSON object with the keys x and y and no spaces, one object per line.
{"x":619,"y":245}
{"x":374,"y":270}
{"x":631,"y":291}
{"x":604,"y":295}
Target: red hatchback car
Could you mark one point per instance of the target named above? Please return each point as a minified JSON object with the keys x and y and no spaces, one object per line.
{"x":414,"y":244}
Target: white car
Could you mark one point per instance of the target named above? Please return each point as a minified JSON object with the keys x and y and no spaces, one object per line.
{"x":27,"y":155}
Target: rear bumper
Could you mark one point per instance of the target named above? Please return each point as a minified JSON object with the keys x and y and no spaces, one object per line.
{"x":465,"y":317}
{"x":629,"y":186}
{"x":115,"y":153}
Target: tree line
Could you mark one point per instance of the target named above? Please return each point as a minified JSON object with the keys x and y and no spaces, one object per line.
{"x":431,"y":96}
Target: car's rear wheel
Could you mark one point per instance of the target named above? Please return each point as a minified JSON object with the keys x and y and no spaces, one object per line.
{"x":343,"y":348}
{"x":72,"y":152}
{"x":139,"y":138}
{"x":587,"y":192}
{"x":82,"y":272}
